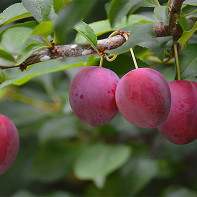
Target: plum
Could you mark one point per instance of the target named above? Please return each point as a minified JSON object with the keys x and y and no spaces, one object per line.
{"x":143,"y":97}
{"x":9,"y":143}
{"x":180,"y":127}
{"x":92,"y":95}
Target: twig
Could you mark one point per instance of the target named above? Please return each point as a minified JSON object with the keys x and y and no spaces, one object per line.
{"x":75,"y":50}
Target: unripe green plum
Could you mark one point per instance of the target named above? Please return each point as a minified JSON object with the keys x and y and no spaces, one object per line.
{"x":92,"y":95}
{"x":180,"y":127}
{"x":143,"y":97}
{"x":9,"y":143}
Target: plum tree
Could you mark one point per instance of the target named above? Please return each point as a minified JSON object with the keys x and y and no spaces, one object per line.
{"x":92,"y":95}
{"x":9,"y":143}
{"x":143,"y":97}
{"x":180,"y":127}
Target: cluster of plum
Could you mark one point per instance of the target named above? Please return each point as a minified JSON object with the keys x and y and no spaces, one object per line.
{"x":9,"y":143}
{"x":142,"y":96}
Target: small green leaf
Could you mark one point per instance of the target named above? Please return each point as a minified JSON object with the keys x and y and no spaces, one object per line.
{"x":2,"y":79}
{"x":187,"y":35}
{"x":59,"y":4}
{"x":175,"y":191}
{"x":13,"y":13}
{"x":161,"y":14}
{"x":6,"y":59}
{"x":44,"y":29}
{"x":14,"y":39}
{"x":40,"y":9}
{"x":190,"y":2}
{"x":69,"y":16}
{"x":96,"y":161}
{"x":86,"y":31}
{"x":119,"y":9}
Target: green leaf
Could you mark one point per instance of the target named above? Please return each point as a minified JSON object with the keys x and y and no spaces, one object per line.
{"x":96,"y":161}
{"x":102,"y":27}
{"x":44,"y":29}
{"x":40,"y":9}
{"x":190,"y":2}
{"x":187,"y":35}
{"x":150,"y":3}
{"x":6,"y":59}
{"x":34,"y":70}
{"x":142,"y":35}
{"x":58,"y":128}
{"x":191,"y":70}
{"x":86,"y":31}
{"x":13,"y":13}
{"x":64,"y":23}
{"x":161,"y":14}
{"x":29,"y":24}
{"x":184,"y":23}
{"x":119,"y":9}
{"x":14,"y":39}
{"x":52,"y":162}
{"x":187,"y":56}
{"x":59,"y":4}
{"x":139,"y":173}
{"x":28,"y":51}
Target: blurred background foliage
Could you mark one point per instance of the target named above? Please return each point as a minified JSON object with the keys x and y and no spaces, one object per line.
{"x":60,"y":156}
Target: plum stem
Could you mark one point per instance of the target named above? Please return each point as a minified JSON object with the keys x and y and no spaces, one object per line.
{"x":101,"y":61}
{"x":177,"y":62}
{"x":132,"y":52}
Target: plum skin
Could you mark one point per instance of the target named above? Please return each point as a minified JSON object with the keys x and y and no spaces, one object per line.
{"x":180,"y":127}
{"x":9,"y":143}
{"x":92,"y":95}
{"x":143,"y":97}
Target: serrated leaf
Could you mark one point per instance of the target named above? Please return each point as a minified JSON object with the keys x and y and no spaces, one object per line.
{"x":87,"y":32}
{"x":40,"y":9}
{"x":58,"y":4}
{"x":14,"y":39}
{"x":34,"y":70}
{"x":187,"y":35}
{"x":119,"y":9}
{"x":6,"y":59}
{"x":44,"y":29}
{"x":161,"y":14}
{"x":64,"y":23}
{"x":102,"y":27}
{"x":96,"y":161}
{"x":190,"y":2}
{"x":13,"y":13}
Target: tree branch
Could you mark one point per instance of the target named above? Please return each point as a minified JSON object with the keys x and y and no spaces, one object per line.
{"x":75,"y":50}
